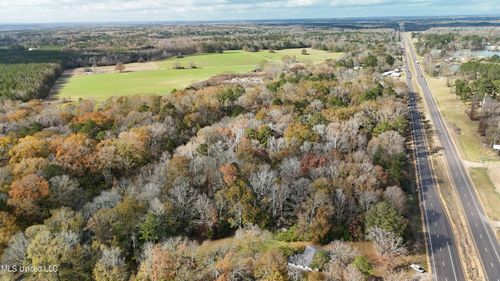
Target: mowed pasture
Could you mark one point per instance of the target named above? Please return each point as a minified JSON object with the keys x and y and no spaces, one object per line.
{"x":161,"y":77}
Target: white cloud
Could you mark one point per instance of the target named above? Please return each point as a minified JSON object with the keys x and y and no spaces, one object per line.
{"x":302,"y":3}
{"x":338,"y":3}
{"x":154,"y":10}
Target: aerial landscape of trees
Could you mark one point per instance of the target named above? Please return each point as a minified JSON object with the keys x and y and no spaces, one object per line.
{"x":42,"y":55}
{"x":222,"y":181}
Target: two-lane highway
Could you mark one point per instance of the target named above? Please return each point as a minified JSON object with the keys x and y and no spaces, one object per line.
{"x":482,"y":234}
{"x":441,"y":244}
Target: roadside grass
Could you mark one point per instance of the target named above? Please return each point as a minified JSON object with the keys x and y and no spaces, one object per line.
{"x":453,"y":110}
{"x":163,"y":80}
{"x":487,"y":192}
{"x":463,"y":130}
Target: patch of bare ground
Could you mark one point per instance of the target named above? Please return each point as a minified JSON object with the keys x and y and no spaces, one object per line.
{"x":129,"y":67}
{"x":245,"y":79}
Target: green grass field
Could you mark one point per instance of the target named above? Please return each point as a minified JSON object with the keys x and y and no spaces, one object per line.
{"x":454,"y":112}
{"x":164,"y":79}
{"x":486,"y":189}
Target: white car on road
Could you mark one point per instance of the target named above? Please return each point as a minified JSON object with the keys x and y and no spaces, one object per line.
{"x":417,"y":267}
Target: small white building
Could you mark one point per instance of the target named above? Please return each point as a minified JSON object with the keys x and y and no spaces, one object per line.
{"x":303,"y":261}
{"x":392,"y":73}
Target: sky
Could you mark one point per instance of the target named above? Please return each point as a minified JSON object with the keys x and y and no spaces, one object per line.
{"x":53,"y":11}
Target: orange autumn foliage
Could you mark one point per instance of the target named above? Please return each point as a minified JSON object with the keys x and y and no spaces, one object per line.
{"x":28,"y":147}
{"x":99,"y":117}
{"x":29,"y":187}
{"x":74,"y":152}
{"x":24,"y":196}
{"x":229,"y":173}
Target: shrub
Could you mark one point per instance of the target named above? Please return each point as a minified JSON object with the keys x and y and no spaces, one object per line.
{"x":320,"y":259}
{"x":289,"y":235}
{"x":363,"y":264}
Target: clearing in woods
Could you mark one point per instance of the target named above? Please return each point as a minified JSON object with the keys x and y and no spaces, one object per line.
{"x":160,"y":77}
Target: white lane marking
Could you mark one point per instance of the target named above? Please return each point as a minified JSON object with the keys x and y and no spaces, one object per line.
{"x":426,"y":217}
{"x":447,"y":138}
{"x":418,"y":168}
{"x":451,"y":260}
{"x":486,"y":250}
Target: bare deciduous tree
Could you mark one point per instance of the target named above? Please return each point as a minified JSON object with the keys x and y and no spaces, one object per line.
{"x":262,"y":181}
{"x":120,"y":67}
{"x":344,"y":205}
{"x":388,"y":245}
{"x":333,"y":271}
{"x":341,"y":252}
{"x":290,"y":169}
{"x":367,"y":199}
{"x":390,"y":142}
{"x":66,"y":190}
{"x":107,"y":199}
{"x":396,"y":276}
{"x":183,"y":197}
{"x":16,"y":250}
{"x":351,"y":273}
{"x":397,"y":198}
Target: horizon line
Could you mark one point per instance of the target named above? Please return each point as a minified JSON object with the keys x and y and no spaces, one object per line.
{"x":246,"y":20}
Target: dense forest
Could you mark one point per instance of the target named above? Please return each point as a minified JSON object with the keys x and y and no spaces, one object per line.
{"x":426,"y":23}
{"x":130,"y":188}
{"x":460,"y":39}
{"x":26,"y":81}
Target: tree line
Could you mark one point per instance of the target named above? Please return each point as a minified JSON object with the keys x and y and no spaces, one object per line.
{"x":478,"y":83}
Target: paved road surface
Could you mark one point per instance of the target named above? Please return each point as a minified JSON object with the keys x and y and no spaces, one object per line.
{"x":441,"y":245}
{"x":483,"y":235}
